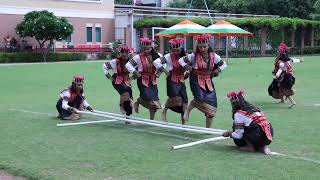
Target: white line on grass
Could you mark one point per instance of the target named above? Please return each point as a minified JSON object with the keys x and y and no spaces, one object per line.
{"x":316,"y":104}
{"x":296,"y":157}
{"x":134,"y":129}
{"x":61,"y":62}
{"x":32,"y":112}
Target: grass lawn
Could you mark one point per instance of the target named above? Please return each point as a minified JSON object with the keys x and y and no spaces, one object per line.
{"x":34,"y":147}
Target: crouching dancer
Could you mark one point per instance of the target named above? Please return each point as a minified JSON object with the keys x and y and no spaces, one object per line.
{"x":251,"y":129}
{"x":72,"y":99}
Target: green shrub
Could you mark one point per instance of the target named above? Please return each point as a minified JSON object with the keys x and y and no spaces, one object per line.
{"x":37,"y":57}
{"x":104,"y":55}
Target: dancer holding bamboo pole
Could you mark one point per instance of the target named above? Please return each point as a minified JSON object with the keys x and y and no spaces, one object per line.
{"x":251,"y":129}
{"x":72,"y":99}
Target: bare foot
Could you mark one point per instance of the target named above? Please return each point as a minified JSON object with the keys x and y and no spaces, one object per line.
{"x":136,"y":107}
{"x":247,"y":148}
{"x":266,"y":150}
{"x":164,"y":116}
{"x":292,"y":105}
{"x":185,"y":117}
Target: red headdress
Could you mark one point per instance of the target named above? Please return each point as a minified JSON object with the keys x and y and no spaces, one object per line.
{"x":176,"y":43}
{"x":233,"y":95}
{"x":146,"y":42}
{"x":78,"y":79}
{"x":203,"y":38}
{"x":124,"y":51}
{"x":283,"y":48}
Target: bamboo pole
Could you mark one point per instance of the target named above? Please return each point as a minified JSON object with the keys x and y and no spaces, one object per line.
{"x":151,"y":123}
{"x":87,"y":122}
{"x":199,"y":142}
{"x":161,"y":122}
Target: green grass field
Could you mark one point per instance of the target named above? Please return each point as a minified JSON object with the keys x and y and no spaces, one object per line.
{"x":34,"y":147}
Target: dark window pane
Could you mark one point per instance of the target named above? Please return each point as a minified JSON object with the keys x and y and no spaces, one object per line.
{"x":89,"y":34}
{"x":98,"y":34}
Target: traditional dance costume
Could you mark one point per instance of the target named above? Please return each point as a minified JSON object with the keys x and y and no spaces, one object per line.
{"x":120,"y":78}
{"x":202,"y":87}
{"x":176,"y":90}
{"x":70,"y":98}
{"x":146,"y":80}
{"x":250,"y":125}
{"x":283,"y":75}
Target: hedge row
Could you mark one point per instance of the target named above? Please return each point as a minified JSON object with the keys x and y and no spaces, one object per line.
{"x":273,"y":23}
{"x":25,"y":57}
{"x":235,"y":53}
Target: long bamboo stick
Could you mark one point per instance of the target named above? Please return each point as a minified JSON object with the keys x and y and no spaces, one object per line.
{"x":151,"y":123}
{"x":199,"y":142}
{"x":161,"y":122}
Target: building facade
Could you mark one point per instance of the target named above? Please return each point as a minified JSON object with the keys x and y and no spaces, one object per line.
{"x":93,"y":20}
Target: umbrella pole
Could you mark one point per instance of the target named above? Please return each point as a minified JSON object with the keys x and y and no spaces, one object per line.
{"x":227,"y":45}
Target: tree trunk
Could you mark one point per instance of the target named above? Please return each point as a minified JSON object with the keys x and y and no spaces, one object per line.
{"x":263,"y":40}
{"x":293,"y":37}
{"x":302,"y":40}
{"x":312,"y":37}
{"x":43,"y":50}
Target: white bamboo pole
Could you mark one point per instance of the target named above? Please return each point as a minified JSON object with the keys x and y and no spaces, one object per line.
{"x":87,"y":122}
{"x":161,"y":122}
{"x":151,"y":123}
{"x":199,"y":142}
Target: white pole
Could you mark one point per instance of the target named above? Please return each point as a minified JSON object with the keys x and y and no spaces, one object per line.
{"x":151,"y":123}
{"x":87,"y":122}
{"x":227,"y":45}
{"x":199,"y":142}
{"x":161,"y":122}
{"x":132,"y":30}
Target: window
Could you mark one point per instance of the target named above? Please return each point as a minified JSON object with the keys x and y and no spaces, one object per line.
{"x":89,"y":34}
{"x":98,"y":34}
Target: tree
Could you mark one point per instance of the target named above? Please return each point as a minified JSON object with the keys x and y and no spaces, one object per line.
{"x":290,"y":8}
{"x":284,"y":8}
{"x":316,"y":6}
{"x":44,"y":26}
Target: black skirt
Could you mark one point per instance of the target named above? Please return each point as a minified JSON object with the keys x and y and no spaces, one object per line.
{"x":148,"y":93}
{"x":66,"y":113}
{"x":288,"y":81}
{"x":121,"y":88}
{"x":200,"y":94}
{"x":176,"y":89}
{"x":255,"y":135}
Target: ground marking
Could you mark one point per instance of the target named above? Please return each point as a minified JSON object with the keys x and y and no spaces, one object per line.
{"x":296,"y":157}
{"x":61,"y":62}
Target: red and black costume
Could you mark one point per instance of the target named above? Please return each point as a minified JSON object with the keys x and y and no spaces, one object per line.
{"x":120,"y":78}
